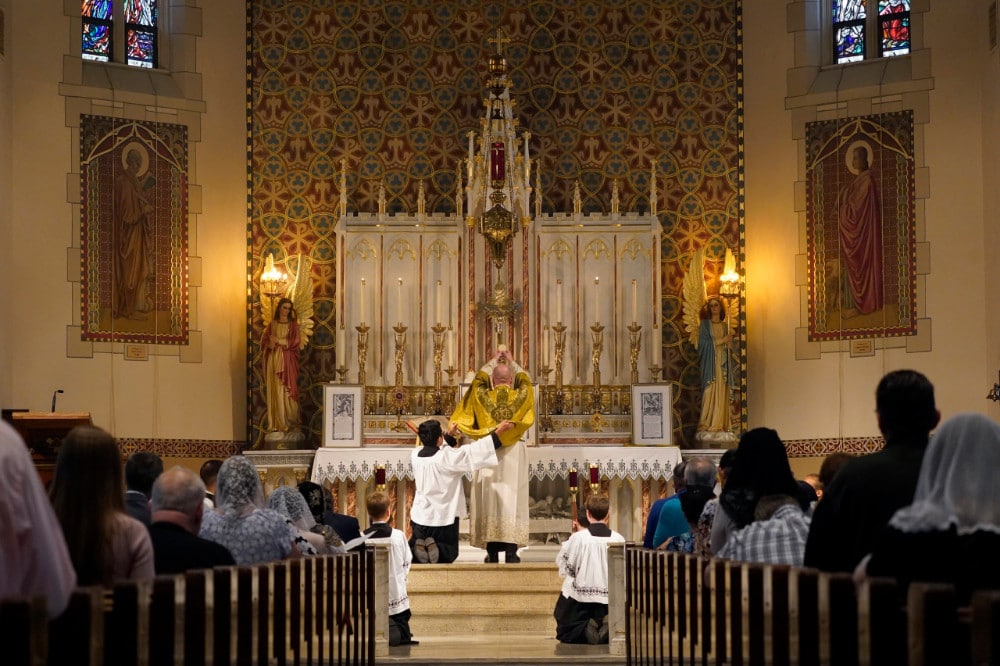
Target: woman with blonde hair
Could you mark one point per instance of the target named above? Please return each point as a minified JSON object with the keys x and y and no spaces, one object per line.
{"x":105,"y":544}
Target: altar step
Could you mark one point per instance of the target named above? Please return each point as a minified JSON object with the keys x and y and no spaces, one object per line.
{"x":473,"y":614}
{"x":476,"y":598}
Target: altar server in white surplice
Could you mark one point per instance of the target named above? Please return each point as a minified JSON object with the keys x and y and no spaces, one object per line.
{"x":439,"y":500}
{"x":582,"y":609}
{"x":400,"y":557}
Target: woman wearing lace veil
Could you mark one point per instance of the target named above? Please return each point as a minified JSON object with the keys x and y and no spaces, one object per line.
{"x":951,"y":531}
{"x":240,"y":523}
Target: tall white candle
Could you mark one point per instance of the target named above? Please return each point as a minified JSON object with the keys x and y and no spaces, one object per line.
{"x":399,"y":300}
{"x":634,"y":297}
{"x":545,"y":345}
{"x":363,"y":296}
{"x":597,"y":299}
{"x":341,"y":347}
{"x":437,"y":307}
{"x":559,"y":301}
{"x":451,"y":348}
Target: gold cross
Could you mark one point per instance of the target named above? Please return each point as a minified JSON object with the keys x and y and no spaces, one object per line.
{"x":499,"y":40}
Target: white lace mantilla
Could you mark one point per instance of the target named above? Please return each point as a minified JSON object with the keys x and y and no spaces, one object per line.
{"x":550,"y":462}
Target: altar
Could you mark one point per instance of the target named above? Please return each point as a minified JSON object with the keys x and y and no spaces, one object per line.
{"x":632,"y":477}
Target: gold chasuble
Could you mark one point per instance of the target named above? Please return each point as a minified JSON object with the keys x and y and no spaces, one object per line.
{"x":484,"y":406}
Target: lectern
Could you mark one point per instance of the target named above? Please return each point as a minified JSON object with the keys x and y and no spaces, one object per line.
{"x":43,"y":433}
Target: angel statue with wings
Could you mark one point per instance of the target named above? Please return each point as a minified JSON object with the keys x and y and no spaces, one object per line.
{"x":288,"y":325}
{"x":708,"y":329}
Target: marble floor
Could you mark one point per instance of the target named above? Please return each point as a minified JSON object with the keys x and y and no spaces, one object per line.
{"x":525,"y":649}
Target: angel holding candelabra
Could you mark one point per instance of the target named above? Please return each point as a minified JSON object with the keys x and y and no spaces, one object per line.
{"x":288,"y":325}
{"x":708,"y":327}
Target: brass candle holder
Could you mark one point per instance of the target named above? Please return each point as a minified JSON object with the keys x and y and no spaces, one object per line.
{"x":362,"y":351}
{"x":342,"y":372}
{"x":438,"y":394}
{"x":400,"y":341}
{"x":559,"y":343}
{"x":634,"y":347}
{"x":597,"y":336}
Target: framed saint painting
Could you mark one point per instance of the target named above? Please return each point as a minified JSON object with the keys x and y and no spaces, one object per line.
{"x":343,"y":414}
{"x":651,"y":405}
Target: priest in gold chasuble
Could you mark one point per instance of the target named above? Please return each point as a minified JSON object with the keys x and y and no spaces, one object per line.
{"x":498,"y":514}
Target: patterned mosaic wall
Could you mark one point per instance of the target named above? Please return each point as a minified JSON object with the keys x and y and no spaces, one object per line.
{"x":606,"y":89}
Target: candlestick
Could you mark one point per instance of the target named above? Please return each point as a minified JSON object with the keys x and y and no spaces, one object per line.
{"x":399,"y":300}
{"x":559,"y":310}
{"x":437,"y":307}
{"x":595,"y":476}
{"x":634,"y":300}
{"x":362,"y":300}
{"x":573,"y":480}
{"x":545,"y":345}
{"x":597,"y":299}
{"x":380,"y":477}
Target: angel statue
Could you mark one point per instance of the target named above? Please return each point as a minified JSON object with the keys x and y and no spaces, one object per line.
{"x":288,"y":325}
{"x":708,"y":329}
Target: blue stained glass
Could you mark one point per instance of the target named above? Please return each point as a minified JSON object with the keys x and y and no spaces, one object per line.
{"x":96,"y":42}
{"x":850,"y":43}
{"x":848,"y":10}
{"x":141,"y":12}
{"x":100,"y":9}
{"x":141,"y":44}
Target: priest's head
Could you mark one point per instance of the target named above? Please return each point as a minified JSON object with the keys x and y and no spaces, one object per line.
{"x":502,"y":376}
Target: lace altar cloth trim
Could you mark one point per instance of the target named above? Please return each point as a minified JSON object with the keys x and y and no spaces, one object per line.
{"x":544,"y":462}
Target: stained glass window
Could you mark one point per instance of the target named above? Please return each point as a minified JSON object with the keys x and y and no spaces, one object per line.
{"x":894,"y":27}
{"x":97,"y":27}
{"x":852,"y":25}
{"x":129,"y":22}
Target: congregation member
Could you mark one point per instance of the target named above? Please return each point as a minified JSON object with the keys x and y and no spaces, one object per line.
{"x":34,"y":559}
{"x":178,"y":507}
{"x":105,"y":544}
{"x":831,"y":465}
{"x":400,"y":558}
{"x":762,"y":513}
{"x":209,"y":474}
{"x":581,"y":611}
{"x":290,"y":503}
{"x":498,"y":512}
{"x":439,"y":500}
{"x":950,"y":533}
{"x":239,"y":521}
{"x":327,"y":523}
{"x":141,"y":470}
{"x":653,"y":517}
{"x":703,"y":528}
{"x":868,"y":490}
{"x":699,"y":488}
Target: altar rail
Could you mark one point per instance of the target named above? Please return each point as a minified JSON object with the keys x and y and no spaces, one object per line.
{"x":314,"y":610}
{"x":682,"y":609}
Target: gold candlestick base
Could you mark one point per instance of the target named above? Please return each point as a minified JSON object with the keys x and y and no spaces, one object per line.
{"x":342,"y":371}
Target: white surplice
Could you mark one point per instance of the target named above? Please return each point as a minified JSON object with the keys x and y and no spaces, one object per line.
{"x":583,"y":564}
{"x":439,"y":497}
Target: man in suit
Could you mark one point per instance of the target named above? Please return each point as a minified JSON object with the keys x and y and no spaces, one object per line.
{"x":141,"y":470}
{"x":178,"y":506}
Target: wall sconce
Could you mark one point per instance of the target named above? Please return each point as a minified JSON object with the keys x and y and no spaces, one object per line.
{"x":994,"y":393}
{"x":272,"y":281}
{"x":729,"y":281}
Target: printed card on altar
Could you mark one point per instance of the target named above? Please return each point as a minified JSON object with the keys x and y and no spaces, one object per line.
{"x":651,"y":405}
{"x":343,"y":414}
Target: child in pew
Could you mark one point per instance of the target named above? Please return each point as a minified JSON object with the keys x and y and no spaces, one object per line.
{"x":400,"y":558}
{"x":581,"y":612}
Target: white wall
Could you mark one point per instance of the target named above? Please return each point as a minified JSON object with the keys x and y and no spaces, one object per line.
{"x":834,"y":395}
{"x":161,"y":397}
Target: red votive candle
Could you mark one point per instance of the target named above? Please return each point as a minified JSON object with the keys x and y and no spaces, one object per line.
{"x":595,"y":475}
{"x":573,"y":479}
{"x":380,"y":475}
{"x":497,"y":163}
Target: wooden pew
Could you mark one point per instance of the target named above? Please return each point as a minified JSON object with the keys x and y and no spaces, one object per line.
{"x":24,"y":626}
{"x":985,"y":625}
